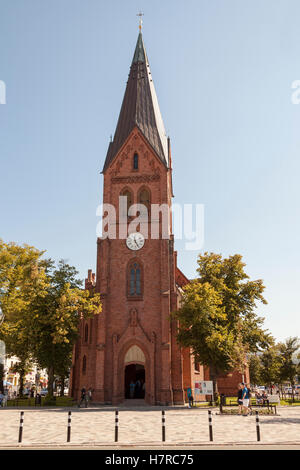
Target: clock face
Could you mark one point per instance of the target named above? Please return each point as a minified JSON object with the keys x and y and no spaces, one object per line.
{"x":135,"y":241}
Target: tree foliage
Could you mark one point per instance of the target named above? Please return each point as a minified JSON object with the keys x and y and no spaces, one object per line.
{"x":22,"y":280}
{"x":270,"y":366}
{"x":255,"y":369}
{"x":276,"y":364}
{"x":56,"y":319}
{"x":217,"y":318}
{"x":43,"y":304}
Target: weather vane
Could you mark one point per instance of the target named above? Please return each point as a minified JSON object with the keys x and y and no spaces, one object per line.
{"x":140,"y":14}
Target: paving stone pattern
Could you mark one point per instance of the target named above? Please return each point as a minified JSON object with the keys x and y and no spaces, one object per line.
{"x":143,"y":426}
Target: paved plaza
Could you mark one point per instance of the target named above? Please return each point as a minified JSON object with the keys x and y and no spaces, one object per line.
{"x":142,"y":427}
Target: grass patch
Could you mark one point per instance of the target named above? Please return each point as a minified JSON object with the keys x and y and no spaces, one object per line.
{"x":199,"y":404}
{"x":261,"y":411}
{"x":290,"y":402}
{"x":30,"y":402}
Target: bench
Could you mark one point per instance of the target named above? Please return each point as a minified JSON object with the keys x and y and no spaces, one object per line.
{"x":253,"y":404}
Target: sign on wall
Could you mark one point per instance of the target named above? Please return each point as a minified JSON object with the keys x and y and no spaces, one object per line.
{"x":204,"y":388}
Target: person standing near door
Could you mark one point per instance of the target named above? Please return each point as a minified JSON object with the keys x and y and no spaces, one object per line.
{"x":131,"y":389}
{"x":138,"y":386}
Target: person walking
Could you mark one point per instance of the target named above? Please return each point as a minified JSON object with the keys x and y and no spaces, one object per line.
{"x":83,"y":397}
{"x":190,"y":397}
{"x":89,"y":395}
{"x":240,"y":398}
{"x":246,"y":400}
{"x":250,"y":396}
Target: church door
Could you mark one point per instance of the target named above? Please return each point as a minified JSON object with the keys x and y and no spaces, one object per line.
{"x":135,"y":381}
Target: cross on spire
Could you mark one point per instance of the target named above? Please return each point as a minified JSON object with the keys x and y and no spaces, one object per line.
{"x":140,"y":14}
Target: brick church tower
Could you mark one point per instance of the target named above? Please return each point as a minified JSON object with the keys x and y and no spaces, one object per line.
{"x":133,"y":340}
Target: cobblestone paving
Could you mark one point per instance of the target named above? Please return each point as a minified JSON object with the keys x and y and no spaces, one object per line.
{"x":143,"y":427}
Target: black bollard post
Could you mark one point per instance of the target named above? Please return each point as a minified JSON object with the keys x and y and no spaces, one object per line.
{"x":257,"y":426}
{"x":210,"y":426}
{"x":21,"y":426}
{"x":116,"y":426}
{"x":69,"y":427}
{"x":163,"y":422}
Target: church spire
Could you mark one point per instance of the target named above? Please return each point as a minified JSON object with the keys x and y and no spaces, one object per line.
{"x":140,"y":108}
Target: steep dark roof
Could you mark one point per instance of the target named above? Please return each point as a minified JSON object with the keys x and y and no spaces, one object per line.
{"x":140,"y":108}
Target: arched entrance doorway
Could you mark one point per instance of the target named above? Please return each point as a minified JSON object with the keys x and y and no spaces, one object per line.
{"x":134,"y":373}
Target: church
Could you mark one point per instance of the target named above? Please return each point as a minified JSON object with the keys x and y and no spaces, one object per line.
{"x":133,"y":340}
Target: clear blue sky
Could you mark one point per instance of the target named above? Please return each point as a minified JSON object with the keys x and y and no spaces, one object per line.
{"x":223,"y":72}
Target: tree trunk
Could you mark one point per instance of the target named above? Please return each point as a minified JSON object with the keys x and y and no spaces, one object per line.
{"x":1,"y":377}
{"x":293,"y":393}
{"x":213,"y":377}
{"x":62,"y":387}
{"x":21,"y":389}
{"x":50,"y":381}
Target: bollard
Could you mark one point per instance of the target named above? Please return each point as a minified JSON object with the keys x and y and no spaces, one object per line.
{"x":257,"y":426}
{"x":163,"y":423}
{"x":69,"y":427}
{"x":116,"y":425}
{"x":21,"y":426}
{"x":210,"y":426}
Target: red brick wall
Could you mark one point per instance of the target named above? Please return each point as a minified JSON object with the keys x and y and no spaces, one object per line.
{"x":228,"y":384}
{"x":112,"y":332}
{"x":169,"y":370}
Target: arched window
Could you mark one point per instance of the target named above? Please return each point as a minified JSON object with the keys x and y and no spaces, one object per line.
{"x":134,"y":280}
{"x":135,"y":161}
{"x":84,"y":365}
{"x":126,"y":193}
{"x":144,"y":198}
{"x":86,"y":333}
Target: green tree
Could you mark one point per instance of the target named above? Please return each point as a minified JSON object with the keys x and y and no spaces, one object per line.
{"x":22,"y":279}
{"x":270,"y":366}
{"x":255,"y":369}
{"x":217,"y":318}
{"x":43,"y":305}
{"x":17,"y":344}
{"x":288,"y":367}
{"x":56,"y":317}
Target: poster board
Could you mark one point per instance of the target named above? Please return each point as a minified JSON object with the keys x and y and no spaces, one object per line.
{"x":204,"y":387}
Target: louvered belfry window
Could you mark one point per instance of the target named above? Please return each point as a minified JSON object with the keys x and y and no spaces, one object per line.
{"x":126,"y":193}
